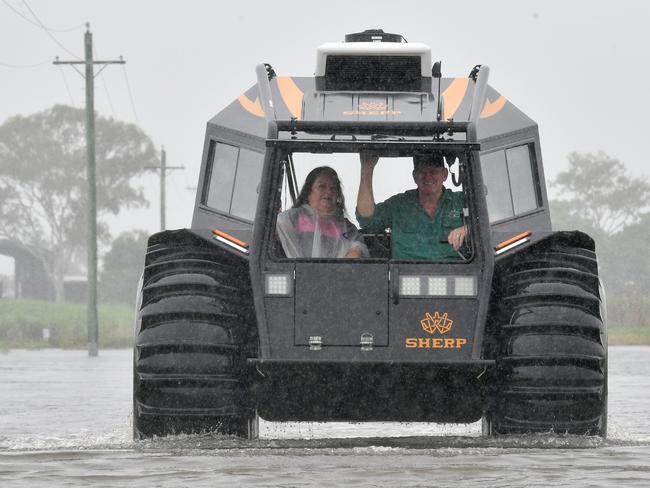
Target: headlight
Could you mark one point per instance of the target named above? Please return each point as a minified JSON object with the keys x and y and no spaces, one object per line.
{"x":436,"y":286}
{"x":409,"y":285}
{"x":278,"y":284}
{"x":465,"y":285}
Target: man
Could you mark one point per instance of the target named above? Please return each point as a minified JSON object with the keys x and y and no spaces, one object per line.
{"x":419,"y":219}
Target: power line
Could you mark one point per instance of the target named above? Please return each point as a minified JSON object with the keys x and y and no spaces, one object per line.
{"x":178,"y":194}
{"x":20,"y":14}
{"x":187,"y":182}
{"x":67,"y":87}
{"x":105,"y":85}
{"x":48,"y":32}
{"x":108,"y":96}
{"x":24,"y":66}
{"x":128,"y":87}
{"x":163,"y":168}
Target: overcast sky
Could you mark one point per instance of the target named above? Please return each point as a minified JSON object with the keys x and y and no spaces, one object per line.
{"x":579,"y":68}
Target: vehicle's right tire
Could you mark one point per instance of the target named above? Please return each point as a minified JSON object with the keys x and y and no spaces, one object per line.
{"x":195,"y":329}
{"x":551,"y":373}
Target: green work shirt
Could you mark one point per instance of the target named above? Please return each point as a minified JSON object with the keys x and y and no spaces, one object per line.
{"x":414,"y":234}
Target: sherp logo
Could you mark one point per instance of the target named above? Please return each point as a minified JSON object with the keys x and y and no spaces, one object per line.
{"x":431,"y":324}
{"x":373,"y":106}
{"x":441,"y":323}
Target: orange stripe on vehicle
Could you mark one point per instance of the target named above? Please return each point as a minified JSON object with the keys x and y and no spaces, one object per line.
{"x":291,"y":95}
{"x":453,"y":96}
{"x":511,"y":240}
{"x":491,"y":108}
{"x":253,"y":107}
{"x":220,"y":233}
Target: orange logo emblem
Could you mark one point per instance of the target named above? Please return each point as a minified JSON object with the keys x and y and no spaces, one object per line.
{"x":430,"y":324}
{"x":441,"y":323}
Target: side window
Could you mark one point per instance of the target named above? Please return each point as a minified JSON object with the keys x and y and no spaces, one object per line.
{"x":495,"y":178}
{"x":247,"y":180}
{"x":509,"y":179}
{"x":234,"y":176}
{"x":222,"y":177}
{"x":524,"y":193}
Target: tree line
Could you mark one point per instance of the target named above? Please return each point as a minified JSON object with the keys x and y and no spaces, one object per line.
{"x":43,"y":196}
{"x":597,"y":195}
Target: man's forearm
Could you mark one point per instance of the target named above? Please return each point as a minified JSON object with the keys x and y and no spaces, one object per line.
{"x":365,"y":197}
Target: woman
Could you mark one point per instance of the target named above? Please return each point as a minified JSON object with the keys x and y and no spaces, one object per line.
{"x":316,"y":226}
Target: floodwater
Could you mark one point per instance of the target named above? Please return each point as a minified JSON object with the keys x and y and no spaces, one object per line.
{"x":65,"y":420}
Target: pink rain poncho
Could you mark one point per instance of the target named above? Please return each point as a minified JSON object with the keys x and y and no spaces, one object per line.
{"x":305,"y":233}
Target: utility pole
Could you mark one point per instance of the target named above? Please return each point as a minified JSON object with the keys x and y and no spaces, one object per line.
{"x":89,"y":76}
{"x":163,"y":173}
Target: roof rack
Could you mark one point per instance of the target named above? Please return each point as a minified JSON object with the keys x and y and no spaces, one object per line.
{"x":433,"y":128}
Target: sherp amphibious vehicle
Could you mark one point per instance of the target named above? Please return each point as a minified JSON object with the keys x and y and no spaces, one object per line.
{"x":229,"y":329}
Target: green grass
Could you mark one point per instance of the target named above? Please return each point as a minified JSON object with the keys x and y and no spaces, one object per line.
{"x":628,"y":319}
{"x":629,"y":336}
{"x":22,"y":323}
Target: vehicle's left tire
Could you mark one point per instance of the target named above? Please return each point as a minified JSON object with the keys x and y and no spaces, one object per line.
{"x":196,"y":328}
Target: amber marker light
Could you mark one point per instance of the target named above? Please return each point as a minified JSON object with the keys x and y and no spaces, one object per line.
{"x":231,"y":241}
{"x":512,"y":242}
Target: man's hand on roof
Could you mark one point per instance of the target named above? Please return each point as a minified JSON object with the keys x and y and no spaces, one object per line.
{"x":368,"y":160}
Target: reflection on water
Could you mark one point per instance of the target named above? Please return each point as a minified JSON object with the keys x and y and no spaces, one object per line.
{"x":66,"y":418}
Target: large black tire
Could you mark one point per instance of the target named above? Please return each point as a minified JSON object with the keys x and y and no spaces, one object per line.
{"x":196,"y":327}
{"x":552,"y":364}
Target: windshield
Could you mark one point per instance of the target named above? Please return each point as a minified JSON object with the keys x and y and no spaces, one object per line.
{"x":392,"y":175}
{"x":413,"y":215}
